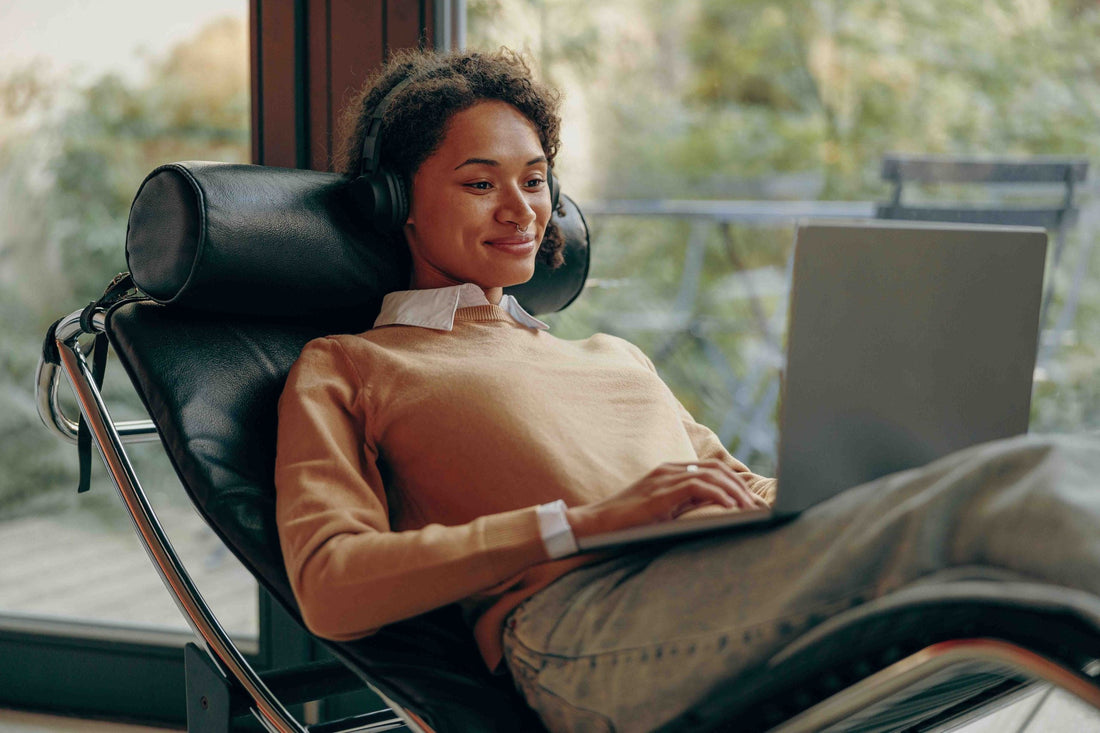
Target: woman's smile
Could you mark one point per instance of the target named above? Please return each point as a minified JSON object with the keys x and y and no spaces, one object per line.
{"x":519,"y":244}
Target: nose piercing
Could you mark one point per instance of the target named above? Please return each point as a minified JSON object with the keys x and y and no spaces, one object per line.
{"x":520,"y":230}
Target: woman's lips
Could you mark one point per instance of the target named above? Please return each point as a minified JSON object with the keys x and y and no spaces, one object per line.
{"x":516,"y":244}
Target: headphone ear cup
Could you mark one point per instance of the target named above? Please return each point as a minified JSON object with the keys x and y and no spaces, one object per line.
{"x":399,"y":196}
{"x":368,"y":198}
{"x":382,"y":200}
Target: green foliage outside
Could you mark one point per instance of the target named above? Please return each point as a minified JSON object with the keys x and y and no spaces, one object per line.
{"x":799,"y":100}
{"x":72,"y":154}
{"x":700,"y":99}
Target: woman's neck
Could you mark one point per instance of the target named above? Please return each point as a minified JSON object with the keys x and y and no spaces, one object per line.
{"x":493,"y":295}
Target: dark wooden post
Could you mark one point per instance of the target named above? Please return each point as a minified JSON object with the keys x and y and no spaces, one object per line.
{"x":308,"y":56}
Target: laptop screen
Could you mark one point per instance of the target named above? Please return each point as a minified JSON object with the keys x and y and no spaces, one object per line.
{"x":906,"y":342}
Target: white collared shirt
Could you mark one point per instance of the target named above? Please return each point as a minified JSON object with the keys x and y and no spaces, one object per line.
{"x":435,"y":308}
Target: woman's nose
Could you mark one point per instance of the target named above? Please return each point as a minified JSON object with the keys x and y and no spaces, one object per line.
{"x":515,"y":209}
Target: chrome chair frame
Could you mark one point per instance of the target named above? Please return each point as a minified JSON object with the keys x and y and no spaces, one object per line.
{"x":111,"y":439}
{"x":272,"y":714}
{"x":933,"y":660}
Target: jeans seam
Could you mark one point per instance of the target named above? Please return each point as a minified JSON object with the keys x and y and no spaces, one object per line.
{"x":717,"y":632}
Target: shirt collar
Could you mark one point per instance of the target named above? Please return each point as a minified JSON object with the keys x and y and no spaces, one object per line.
{"x":435,"y":308}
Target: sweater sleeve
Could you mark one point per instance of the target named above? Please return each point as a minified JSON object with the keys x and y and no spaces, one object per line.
{"x":707,"y":445}
{"x":350,"y":573}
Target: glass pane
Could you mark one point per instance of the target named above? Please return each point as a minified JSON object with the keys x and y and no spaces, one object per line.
{"x":92,"y":97}
{"x":770,"y":111}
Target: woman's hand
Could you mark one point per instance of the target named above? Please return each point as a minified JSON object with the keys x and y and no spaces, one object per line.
{"x":663,"y":494}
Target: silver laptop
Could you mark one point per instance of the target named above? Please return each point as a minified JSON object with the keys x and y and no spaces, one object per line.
{"x":906,"y":342}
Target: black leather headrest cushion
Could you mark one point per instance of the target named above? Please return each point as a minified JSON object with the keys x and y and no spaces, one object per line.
{"x":251,"y":239}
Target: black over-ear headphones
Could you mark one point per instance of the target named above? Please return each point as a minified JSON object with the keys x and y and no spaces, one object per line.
{"x":382,"y":194}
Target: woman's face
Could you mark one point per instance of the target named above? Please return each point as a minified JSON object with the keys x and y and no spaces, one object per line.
{"x":480,"y":202}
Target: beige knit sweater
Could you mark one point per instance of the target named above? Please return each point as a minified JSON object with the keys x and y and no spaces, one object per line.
{"x":410,"y":462}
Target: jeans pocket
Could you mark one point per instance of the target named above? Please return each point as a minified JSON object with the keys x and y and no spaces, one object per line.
{"x":556,"y":713}
{"x":560,"y":717}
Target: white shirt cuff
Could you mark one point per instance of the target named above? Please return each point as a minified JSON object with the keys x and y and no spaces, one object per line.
{"x":556,"y":533}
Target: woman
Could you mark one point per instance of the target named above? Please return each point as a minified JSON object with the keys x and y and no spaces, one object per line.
{"x":456,"y":451}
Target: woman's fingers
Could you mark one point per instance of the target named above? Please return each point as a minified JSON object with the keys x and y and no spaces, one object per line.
{"x":664,"y":493}
{"x":697,"y":490}
{"x":671,"y":501}
{"x":719,"y":474}
{"x":754,"y":499}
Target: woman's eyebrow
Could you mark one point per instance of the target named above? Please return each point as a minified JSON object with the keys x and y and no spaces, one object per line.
{"x":489,"y":161}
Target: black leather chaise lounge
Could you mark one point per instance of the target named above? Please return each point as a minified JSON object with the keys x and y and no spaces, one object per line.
{"x":236,"y":267}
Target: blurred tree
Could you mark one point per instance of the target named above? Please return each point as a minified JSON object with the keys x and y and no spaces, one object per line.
{"x":71,"y":158}
{"x":865,"y":77}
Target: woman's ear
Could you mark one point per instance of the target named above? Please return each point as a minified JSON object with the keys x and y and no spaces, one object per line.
{"x":408,"y":232}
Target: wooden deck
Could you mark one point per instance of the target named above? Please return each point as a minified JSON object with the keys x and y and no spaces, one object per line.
{"x":64,"y":568}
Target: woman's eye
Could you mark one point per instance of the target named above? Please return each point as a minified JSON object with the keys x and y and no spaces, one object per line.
{"x":480,"y":185}
{"x":535,"y":183}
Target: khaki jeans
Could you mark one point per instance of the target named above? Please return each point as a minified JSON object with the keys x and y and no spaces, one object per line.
{"x":630,"y":643}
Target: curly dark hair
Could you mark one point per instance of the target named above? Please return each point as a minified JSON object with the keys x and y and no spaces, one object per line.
{"x":442,"y":85}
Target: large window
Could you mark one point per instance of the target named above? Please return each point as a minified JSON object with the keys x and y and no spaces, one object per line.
{"x":772,"y":111}
{"x":92,"y":97}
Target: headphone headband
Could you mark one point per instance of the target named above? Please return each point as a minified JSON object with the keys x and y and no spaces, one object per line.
{"x":369,"y":157}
